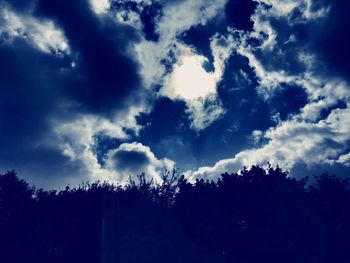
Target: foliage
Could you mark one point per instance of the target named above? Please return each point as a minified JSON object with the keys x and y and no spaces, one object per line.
{"x":255,"y":215}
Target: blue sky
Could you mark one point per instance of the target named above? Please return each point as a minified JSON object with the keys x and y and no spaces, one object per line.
{"x":100,"y":89}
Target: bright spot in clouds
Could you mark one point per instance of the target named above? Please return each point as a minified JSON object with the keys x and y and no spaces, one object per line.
{"x":189,"y":80}
{"x":100,"y":6}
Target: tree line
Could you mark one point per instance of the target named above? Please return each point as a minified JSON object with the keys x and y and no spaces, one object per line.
{"x":255,"y":215}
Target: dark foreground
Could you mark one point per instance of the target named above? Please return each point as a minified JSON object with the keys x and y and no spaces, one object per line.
{"x":257,"y":216}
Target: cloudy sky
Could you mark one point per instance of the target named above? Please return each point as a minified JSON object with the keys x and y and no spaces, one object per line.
{"x":100,"y":89}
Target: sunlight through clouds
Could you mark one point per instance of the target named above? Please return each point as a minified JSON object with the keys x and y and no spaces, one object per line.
{"x":190,"y":80}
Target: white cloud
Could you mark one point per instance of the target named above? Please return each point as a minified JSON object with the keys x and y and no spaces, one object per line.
{"x":271,"y":60}
{"x":100,"y":7}
{"x":76,"y":137}
{"x":177,"y":17}
{"x":188,"y":81}
{"x":256,"y":136}
{"x":204,"y":111}
{"x":290,"y":143}
{"x":191,"y":82}
{"x":76,"y":140}
{"x":344,"y":159}
{"x":43,"y":34}
{"x":305,"y":137}
{"x":286,"y":7}
{"x":130,"y":18}
{"x":180,"y":16}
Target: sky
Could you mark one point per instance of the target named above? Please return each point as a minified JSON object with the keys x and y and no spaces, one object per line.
{"x":103,"y":89}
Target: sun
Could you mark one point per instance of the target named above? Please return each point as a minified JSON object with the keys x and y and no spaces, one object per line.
{"x":189,"y":80}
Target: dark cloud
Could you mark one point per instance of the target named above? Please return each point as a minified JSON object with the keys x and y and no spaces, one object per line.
{"x":102,"y":145}
{"x":37,"y":87}
{"x":130,"y":160}
{"x":331,"y":37}
{"x":106,"y":74}
{"x":29,"y":93}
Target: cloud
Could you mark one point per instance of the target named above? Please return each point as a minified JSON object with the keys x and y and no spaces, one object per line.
{"x":43,"y":34}
{"x":135,"y":158}
{"x":76,"y":138}
{"x":344,"y":159}
{"x":63,"y":68}
{"x":291,"y":143}
{"x":107,"y":74}
{"x":30,"y":93}
{"x":176,"y":17}
{"x":100,"y":6}
{"x":204,"y":111}
{"x":180,"y":16}
{"x":318,"y":134}
{"x":191,"y":82}
{"x":198,"y":90}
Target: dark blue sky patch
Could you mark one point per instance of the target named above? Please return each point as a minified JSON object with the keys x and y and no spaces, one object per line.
{"x":301,"y":170}
{"x":228,"y":140}
{"x":167,"y":118}
{"x":287,"y":101}
{"x":339,"y":105}
{"x":166,"y":131}
{"x":199,"y":37}
{"x":149,"y":16}
{"x":238,"y":13}
{"x":239,"y":96}
{"x":177,"y":147}
{"x":284,"y":57}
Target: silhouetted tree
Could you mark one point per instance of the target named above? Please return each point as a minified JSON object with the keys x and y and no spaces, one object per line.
{"x":254,"y":215}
